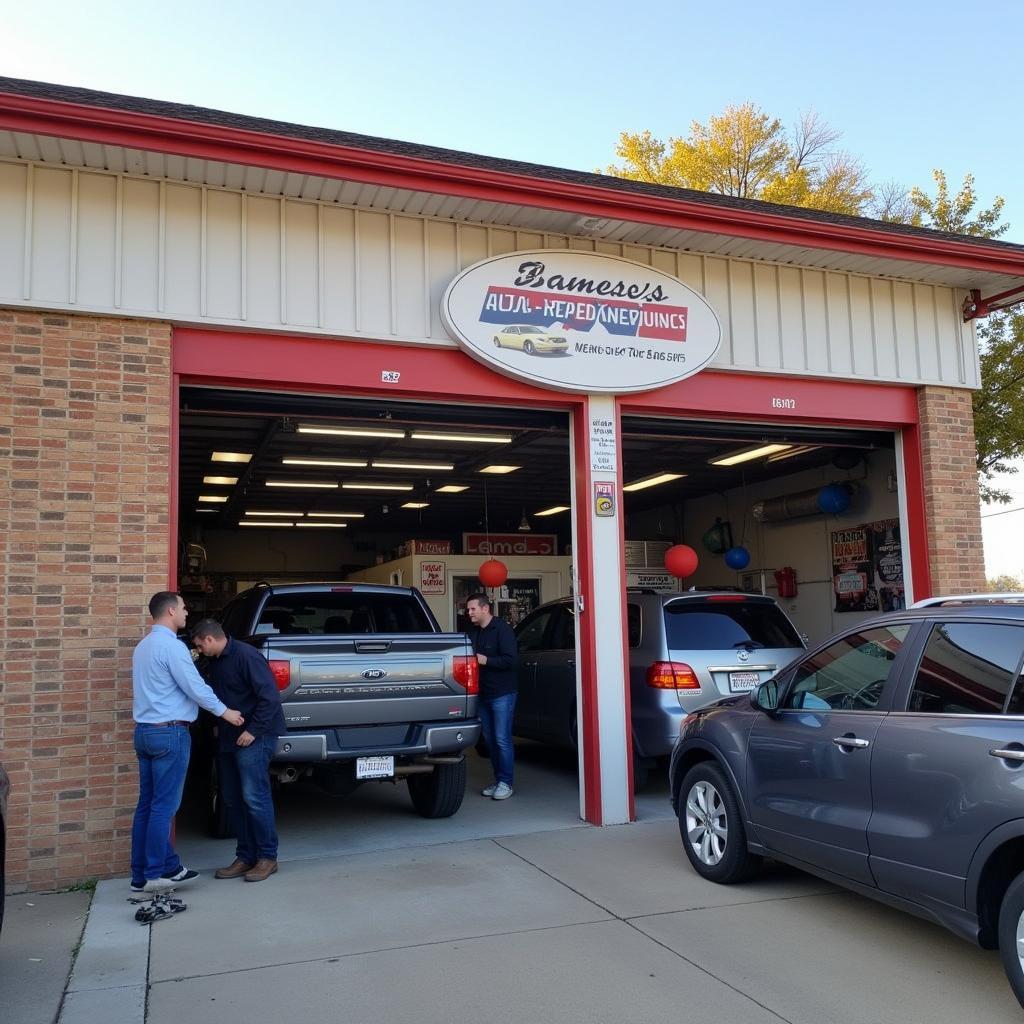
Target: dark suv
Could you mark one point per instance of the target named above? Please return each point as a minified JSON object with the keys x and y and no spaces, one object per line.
{"x":890,"y":760}
{"x":685,"y":650}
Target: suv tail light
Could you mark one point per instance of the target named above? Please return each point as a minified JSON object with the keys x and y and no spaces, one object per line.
{"x":672,"y":675}
{"x":466,"y":671}
{"x":282,"y":671}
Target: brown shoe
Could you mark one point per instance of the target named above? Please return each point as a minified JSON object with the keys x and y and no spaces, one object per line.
{"x":263,"y":870}
{"x":234,"y":870}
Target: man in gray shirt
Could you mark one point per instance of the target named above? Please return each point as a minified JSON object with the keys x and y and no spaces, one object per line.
{"x":167,"y":692}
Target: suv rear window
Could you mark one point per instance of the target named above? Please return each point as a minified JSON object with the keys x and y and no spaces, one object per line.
{"x":333,"y":613}
{"x":721,"y":627}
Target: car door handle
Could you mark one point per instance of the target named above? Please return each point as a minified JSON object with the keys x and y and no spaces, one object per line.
{"x":850,"y":742}
{"x":1009,"y":755}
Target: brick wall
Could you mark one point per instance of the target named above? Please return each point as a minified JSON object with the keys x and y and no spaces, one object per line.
{"x":84,"y":468}
{"x":955,"y":552}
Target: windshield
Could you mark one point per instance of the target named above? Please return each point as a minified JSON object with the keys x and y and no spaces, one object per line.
{"x":727,"y":626}
{"x":332,"y":613}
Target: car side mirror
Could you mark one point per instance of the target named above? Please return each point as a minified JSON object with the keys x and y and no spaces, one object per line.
{"x":766,"y":696}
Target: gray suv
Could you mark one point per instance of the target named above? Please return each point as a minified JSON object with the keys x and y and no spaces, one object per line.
{"x":685,"y":650}
{"x":890,"y":760}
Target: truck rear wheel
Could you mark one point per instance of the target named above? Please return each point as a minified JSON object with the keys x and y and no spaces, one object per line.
{"x":439,"y":794}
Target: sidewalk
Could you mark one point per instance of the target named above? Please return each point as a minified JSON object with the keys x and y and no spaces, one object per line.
{"x":40,"y":933}
{"x":580,"y":925}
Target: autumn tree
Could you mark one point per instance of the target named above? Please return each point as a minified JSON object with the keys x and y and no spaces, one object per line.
{"x":745,"y":152}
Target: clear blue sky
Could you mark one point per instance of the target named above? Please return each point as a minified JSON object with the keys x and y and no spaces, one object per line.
{"x":912,"y":85}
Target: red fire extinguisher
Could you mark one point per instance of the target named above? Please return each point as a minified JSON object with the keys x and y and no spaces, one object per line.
{"x":785,"y":580}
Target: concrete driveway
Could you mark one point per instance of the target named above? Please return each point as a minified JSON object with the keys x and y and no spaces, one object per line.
{"x":577,"y":924}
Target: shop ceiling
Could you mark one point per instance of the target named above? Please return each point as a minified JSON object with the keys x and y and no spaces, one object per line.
{"x":273,"y":428}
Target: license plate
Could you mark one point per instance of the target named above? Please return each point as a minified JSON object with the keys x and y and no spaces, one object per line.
{"x":742,"y":682}
{"x":375,"y":767}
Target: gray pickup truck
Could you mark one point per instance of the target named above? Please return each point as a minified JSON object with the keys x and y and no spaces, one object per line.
{"x":371,"y":688}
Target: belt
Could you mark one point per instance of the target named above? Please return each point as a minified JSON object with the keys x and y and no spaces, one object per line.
{"x":166,"y":723}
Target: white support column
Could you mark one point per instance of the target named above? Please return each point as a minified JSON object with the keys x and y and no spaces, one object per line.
{"x":602,"y":590}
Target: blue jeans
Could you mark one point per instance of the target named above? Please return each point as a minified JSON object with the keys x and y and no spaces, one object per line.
{"x":496,"y":720}
{"x":163,"y":752}
{"x":244,"y":776}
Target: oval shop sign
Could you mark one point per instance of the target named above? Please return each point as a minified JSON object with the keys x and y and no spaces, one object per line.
{"x":578,"y":321}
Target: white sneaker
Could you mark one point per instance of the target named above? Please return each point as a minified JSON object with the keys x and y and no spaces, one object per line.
{"x":489,"y":790}
{"x":158,"y":885}
{"x":502,"y":791}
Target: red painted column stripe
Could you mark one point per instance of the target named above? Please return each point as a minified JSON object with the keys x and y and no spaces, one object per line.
{"x":587,"y":716}
{"x":917,"y":522}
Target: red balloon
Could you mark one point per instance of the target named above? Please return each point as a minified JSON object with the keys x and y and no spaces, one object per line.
{"x":681,"y":560}
{"x":493,"y":573}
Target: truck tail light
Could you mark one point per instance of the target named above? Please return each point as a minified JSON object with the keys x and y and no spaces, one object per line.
{"x":282,"y":671}
{"x":672,"y":675}
{"x":466,"y":672}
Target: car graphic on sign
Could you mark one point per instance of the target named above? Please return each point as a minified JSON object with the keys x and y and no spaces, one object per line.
{"x":531,"y":340}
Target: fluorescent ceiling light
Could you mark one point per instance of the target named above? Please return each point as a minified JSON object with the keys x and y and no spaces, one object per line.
{"x":350,"y":431}
{"x":230,"y":457}
{"x":423,"y":435}
{"x":301,"y":483}
{"x":453,"y":488}
{"x":336,"y":515}
{"x":554,"y":510}
{"x":286,"y":515}
{"x":499,"y":470}
{"x":376,"y":487}
{"x":416,"y":504}
{"x":414,"y":465}
{"x":652,"y":481}
{"x":324,"y":526}
{"x":217,"y":498}
{"x":746,"y":454}
{"x":340,"y":463}
{"x":225,"y":481}
{"x":206,"y":510}
{"x":257,"y":522}
{"x":801,"y":450}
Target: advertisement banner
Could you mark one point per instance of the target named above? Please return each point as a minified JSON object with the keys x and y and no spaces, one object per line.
{"x":867,"y":567}
{"x":509,"y":544}
{"x":852,"y":571}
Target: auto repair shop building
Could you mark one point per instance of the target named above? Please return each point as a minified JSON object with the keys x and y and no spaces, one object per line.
{"x":152,"y":253}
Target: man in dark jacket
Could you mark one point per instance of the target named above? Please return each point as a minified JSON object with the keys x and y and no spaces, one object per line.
{"x":498,"y":656}
{"x":244,"y":753}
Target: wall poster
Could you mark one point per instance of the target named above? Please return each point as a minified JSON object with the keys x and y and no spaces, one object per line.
{"x":867,"y":567}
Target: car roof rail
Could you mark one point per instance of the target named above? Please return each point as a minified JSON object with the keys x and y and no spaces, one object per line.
{"x":933,"y":602}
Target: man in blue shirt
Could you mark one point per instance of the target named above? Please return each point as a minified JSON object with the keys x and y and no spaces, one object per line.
{"x":240,"y":674}
{"x":167,"y":691}
{"x":497,"y":654}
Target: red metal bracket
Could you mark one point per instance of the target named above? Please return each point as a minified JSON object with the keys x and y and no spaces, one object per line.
{"x":975,"y":306}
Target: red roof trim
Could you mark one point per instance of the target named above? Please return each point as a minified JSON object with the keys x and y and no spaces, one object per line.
{"x":233,"y":145}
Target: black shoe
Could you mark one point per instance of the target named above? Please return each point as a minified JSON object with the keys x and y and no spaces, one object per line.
{"x":183,"y":874}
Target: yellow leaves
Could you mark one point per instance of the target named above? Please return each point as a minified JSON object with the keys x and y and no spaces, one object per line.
{"x":746,"y":153}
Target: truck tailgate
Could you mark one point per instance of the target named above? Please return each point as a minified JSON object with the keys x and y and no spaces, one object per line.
{"x":337,"y":681}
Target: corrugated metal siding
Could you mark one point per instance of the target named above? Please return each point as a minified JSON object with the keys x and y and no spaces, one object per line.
{"x":106,"y":242}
